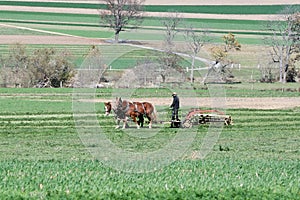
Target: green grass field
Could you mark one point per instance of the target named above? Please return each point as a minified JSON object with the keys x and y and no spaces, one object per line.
{"x":42,"y":155}
{"x":86,"y":20}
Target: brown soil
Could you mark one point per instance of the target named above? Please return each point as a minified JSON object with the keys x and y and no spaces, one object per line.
{"x":231,"y":102}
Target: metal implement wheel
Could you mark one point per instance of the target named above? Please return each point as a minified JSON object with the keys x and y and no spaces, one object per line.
{"x":202,"y":119}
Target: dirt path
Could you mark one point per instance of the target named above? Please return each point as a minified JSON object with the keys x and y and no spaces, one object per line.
{"x":231,"y":102}
{"x":191,"y":2}
{"x":54,"y":38}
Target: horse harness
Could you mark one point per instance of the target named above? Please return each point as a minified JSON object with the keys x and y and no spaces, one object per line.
{"x":136,"y":108}
{"x":121,"y":112}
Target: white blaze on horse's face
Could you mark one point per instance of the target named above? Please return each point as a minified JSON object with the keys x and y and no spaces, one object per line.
{"x":106,"y":110}
{"x":107,"y":107}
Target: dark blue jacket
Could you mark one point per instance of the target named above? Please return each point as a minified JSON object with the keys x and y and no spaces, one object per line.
{"x":175,"y":103}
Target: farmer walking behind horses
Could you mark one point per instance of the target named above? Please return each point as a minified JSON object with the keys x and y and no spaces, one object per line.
{"x":175,"y":106}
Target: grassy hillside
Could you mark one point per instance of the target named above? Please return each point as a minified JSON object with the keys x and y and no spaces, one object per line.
{"x":250,"y":33}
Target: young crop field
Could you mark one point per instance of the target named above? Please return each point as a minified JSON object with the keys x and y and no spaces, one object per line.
{"x":42,"y":154}
{"x":57,"y":143}
{"x":91,"y":20}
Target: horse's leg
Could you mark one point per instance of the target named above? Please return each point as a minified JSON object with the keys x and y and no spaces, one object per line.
{"x":124,"y":123}
{"x":127,"y":125}
{"x":151,"y":116}
{"x":135,"y":121}
{"x":150,"y":120}
{"x":141,"y":120}
{"x":118,"y":123}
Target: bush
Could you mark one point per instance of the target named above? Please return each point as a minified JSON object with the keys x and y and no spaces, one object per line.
{"x":43,"y":68}
{"x":291,"y":75}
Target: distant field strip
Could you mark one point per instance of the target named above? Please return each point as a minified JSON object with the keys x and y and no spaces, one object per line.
{"x":35,"y":26}
{"x":86,"y":23}
{"x":83,"y":20}
{"x":211,"y":9}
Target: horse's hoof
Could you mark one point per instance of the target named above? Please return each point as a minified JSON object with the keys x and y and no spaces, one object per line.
{"x":117,"y":127}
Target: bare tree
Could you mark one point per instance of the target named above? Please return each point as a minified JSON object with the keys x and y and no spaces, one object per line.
{"x":168,"y":59}
{"x":171,"y":24}
{"x":284,"y":39}
{"x":220,"y":55}
{"x":119,"y":13}
{"x":64,"y":70}
{"x":144,"y":74}
{"x":169,"y":62}
{"x":219,"y":67}
{"x":17,"y":64}
{"x":91,"y":70}
{"x":195,"y":42}
{"x":147,"y":73}
{"x":14,"y":68}
{"x":267,"y":72}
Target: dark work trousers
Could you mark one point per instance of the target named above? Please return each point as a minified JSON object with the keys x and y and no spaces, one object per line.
{"x":175,"y":114}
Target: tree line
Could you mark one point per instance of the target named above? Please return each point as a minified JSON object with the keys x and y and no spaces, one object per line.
{"x":283,"y":39}
{"x":45,"y":67}
{"x":48,"y":67}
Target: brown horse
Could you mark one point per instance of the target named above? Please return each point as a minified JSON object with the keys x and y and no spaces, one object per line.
{"x":107,"y":107}
{"x":124,"y":109}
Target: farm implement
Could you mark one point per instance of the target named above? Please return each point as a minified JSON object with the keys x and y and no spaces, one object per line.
{"x":199,"y":117}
